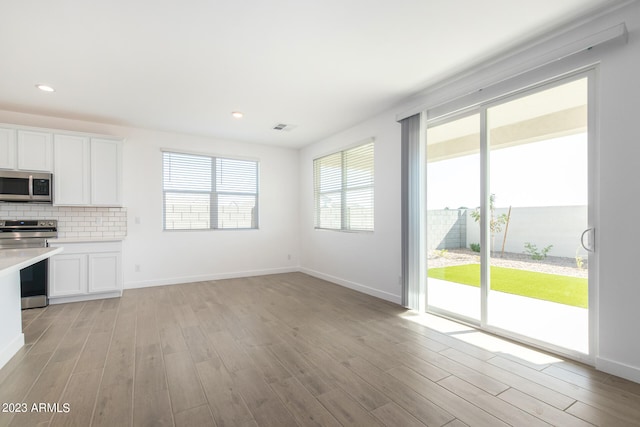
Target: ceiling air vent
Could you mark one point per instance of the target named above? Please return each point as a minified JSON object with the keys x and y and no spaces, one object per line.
{"x":284,"y":127}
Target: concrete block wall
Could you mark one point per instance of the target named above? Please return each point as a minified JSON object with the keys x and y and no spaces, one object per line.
{"x":235,"y":216}
{"x":447,"y":229}
{"x":559,"y":226}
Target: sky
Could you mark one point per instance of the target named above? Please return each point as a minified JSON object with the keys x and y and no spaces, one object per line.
{"x":545,"y":173}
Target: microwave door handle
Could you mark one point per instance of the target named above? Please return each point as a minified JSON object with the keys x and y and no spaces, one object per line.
{"x":31,"y":186}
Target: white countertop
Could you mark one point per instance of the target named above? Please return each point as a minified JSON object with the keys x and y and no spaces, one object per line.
{"x":16,"y":259}
{"x":85,"y":240}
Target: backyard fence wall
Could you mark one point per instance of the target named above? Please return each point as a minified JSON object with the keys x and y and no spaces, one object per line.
{"x":447,"y":229}
{"x":560,"y":226}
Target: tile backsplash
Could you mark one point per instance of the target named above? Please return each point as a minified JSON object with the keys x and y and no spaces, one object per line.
{"x":89,"y":222}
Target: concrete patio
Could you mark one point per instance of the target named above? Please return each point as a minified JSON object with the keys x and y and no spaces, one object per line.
{"x":558,"y":324}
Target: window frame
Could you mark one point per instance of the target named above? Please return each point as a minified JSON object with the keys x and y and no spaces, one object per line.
{"x":214,"y":193}
{"x":343,"y":189}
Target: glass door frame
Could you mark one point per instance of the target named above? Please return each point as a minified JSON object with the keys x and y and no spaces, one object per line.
{"x":592,"y":214}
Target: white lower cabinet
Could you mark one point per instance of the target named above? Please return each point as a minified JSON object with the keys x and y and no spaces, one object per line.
{"x":67,"y":275}
{"x":104,"y":272}
{"x":85,"y":271}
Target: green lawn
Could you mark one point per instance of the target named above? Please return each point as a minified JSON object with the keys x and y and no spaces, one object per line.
{"x":548,"y":287}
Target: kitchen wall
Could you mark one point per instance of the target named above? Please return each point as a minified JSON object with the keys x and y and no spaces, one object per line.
{"x":152,"y":256}
{"x":371,"y":262}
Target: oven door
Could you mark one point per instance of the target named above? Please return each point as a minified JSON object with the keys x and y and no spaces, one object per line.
{"x":33,"y":285}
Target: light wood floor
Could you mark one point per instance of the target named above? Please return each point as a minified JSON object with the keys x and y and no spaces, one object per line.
{"x":287,"y":350}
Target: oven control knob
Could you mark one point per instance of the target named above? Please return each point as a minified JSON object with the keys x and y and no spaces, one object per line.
{"x":50,"y":223}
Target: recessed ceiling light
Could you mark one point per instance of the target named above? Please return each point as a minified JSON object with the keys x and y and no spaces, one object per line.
{"x":237,"y":114}
{"x":45,"y":88}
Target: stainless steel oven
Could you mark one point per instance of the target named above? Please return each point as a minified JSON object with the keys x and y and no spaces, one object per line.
{"x":23,"y":234}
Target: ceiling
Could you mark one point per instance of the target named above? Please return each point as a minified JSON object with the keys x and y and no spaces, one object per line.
{"x":320,"y":66}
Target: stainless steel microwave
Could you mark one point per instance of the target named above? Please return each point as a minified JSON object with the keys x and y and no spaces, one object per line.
{"x":18,"y":186}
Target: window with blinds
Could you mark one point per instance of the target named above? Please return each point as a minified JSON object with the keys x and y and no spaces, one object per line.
{"x":202,"y":192}
{"x":343,"y":189}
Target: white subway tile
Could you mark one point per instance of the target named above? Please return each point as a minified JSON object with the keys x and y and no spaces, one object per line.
{"x":73,"y":221}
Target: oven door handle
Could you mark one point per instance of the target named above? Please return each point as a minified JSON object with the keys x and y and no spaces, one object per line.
{"x":31,"y":186}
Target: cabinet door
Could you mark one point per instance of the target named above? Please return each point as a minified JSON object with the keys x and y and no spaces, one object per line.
{"x":7,"y":148}
{"x":71,"y":170}
{"x":67,"y":275}
{"x":106,"y":172}
{"x":35,"y":151}
{"x":104,"y":272}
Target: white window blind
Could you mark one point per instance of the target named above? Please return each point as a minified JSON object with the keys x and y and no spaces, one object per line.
{"x":202,"y":192}
{"x":344,"y":189}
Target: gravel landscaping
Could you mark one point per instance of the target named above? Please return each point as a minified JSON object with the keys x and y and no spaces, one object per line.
{"x":551,"y":264}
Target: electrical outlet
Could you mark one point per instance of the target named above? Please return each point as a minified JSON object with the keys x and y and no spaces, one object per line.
{"x":289,"y":257}
{"x":137,"y":268}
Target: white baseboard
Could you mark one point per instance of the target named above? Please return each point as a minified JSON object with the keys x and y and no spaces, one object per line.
{"x":205,"y":277}
{"x":397,"y":299}
{"x":88,"y":297}
{"x":11,"y":349}
{"x":631,"y":373}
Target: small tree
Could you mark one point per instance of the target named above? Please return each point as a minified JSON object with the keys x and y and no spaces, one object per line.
{"x":495,"y":223}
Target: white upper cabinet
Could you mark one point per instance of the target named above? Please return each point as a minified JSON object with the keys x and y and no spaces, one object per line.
{"x":7,"y":148}
{"x":71,"y":170}
{"x":28,"y":150}
{"x":106,"y":172}
{"x":88,"y":171}
{"x":35,"y":150}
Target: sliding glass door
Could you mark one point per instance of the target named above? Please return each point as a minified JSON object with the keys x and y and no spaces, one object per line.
{"x":538,"y":184}
{"x":508,"y":228}
{"x":453,"y":174}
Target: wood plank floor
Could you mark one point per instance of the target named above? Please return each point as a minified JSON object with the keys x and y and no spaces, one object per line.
{"x":286,"y":350}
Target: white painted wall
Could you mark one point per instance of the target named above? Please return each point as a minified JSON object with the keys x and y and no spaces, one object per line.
{"x":371,"y":263}
{"x":183,"y":256}
{"x":618,"y":239}
{"x":368,"y":262}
